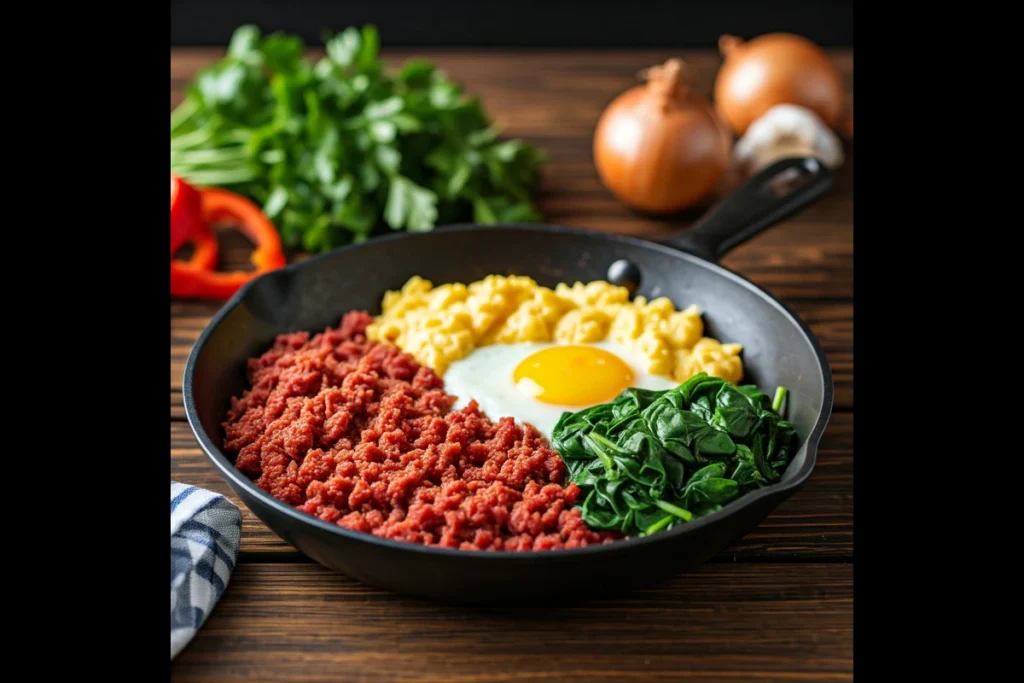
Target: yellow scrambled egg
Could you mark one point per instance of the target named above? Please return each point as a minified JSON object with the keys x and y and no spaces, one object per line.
{"x":440,"y":325}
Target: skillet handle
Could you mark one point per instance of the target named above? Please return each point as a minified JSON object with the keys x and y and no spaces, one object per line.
{"x":770,"y":196}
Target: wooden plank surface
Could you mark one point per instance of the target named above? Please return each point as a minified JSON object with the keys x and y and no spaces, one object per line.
{"x":777,"y":605}
{"x":725,"y":622}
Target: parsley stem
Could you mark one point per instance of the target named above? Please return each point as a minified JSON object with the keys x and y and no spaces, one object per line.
{"x":208,"y":156}
{"x":199,"y":136}
{"x":674,"y":509}
{"x":204,"y":176}
{"x":780,"y":396}
{"x":183,"y":113}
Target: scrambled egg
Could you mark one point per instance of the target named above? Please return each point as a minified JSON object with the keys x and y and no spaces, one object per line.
{"x":440,"y":325}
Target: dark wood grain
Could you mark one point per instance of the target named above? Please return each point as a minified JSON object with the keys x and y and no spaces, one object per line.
{"x":724,"y":622}
{"x":775,"y":606}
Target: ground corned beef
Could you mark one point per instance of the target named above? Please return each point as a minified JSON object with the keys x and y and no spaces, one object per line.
{"x":359,"y":434}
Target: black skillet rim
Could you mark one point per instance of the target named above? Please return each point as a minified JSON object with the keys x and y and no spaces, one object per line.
{"x":227,"y":468}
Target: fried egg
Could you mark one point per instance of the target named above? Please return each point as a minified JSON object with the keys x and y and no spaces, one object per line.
{"x":536,"y":382}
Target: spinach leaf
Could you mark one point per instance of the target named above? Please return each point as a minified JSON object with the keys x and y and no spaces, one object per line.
{"x":734,"y":413}
{"x":747,"y":472}
{"x":648,"y":461}
{"x":712,"y":471}
{"x":710,"y":491}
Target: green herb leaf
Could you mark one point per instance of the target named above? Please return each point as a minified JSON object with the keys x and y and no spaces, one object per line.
{"x":415,"y":73}
{"x":282,"y":53}
{"x":388,"y":159}
{"x":340,"y":150}
{"x":277,"y":200}
{"x":244,"y":42}
{"x":383,"y":131}
{"x":370,"y":48}
{"x":342,"y":49}
{"x":383,"y":109}
{"x":410,"y":206}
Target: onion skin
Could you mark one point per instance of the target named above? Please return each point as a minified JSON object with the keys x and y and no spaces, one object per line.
{"x":777,"y":68}
{"x":660,"y":149}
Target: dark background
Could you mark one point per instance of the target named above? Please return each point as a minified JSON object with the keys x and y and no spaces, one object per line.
{"x":555,"y":23}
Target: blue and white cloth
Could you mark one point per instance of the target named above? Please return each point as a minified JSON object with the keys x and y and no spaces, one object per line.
{"x":205,"y":530}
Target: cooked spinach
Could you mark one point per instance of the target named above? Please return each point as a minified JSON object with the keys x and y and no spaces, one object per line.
{"x":650,"y":460}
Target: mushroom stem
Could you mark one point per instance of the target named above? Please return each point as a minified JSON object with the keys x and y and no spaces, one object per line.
{"x":786,"y":146}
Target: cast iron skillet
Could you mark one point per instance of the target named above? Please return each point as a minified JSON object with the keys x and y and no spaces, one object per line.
{"x":779,"y":349}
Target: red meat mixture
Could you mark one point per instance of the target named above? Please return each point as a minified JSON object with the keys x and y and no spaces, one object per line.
{"x":359,"y":434}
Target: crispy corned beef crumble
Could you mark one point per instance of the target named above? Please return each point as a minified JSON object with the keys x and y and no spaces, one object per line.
{"x":359,"y":434}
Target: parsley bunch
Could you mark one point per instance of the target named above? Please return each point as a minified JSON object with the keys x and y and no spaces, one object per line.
{"x":336,"y":150}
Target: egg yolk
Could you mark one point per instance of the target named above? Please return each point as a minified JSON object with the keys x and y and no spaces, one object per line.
{"x":572,"y":375}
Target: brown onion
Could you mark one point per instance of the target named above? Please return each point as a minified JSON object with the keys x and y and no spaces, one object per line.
{"x":778,"y":68}
{"x":658,"y":147}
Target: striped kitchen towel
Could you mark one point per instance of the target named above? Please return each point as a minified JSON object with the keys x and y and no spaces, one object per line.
{"x":205,"y":529}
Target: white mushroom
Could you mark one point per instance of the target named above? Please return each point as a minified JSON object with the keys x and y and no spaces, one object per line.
{"x":787,"y":130}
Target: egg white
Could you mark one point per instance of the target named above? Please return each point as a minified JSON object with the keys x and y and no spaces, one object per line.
{"x":486,"y":375}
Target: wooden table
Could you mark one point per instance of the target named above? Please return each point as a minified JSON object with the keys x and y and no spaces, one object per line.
{"x":778,"y":605}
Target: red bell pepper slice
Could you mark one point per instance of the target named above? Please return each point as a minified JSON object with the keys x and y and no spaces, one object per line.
{"x":186,"y":213}
{"x":220,"y":207}
{"x":205,"y":253}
